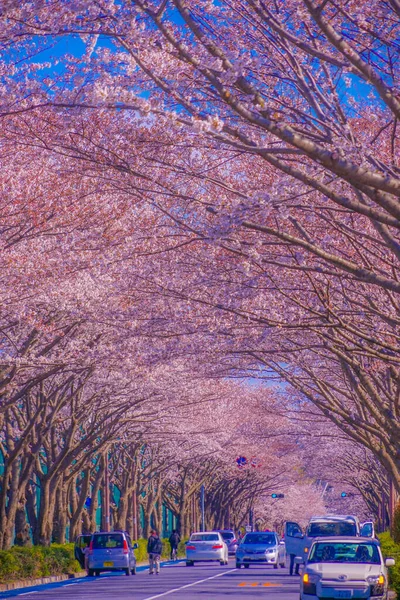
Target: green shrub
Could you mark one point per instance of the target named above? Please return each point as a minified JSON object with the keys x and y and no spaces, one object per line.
{"x":141,"y":552}
{"x":396,"y":524}
{"x":21,"y":562}
{"x":392,"y":550}
{"x":29,"y":563}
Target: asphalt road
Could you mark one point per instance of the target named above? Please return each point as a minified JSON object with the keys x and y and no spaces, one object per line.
{"x":176,"y":582}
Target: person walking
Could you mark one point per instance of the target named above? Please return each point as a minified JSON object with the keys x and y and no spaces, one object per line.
{"x":174,"y":540}
{"x":293,"y":565}
{"x":154,"y":550}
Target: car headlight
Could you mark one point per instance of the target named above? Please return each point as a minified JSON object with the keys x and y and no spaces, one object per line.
{"x":377,"y":585}
{"x":311,"y":578}
{"x":271,"y":550}
{"x":376,"y":579}
{"x":310,"y":581}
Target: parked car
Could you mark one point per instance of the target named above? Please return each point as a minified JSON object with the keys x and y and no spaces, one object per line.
{"x":111,"y":552}
{"x":206,"y":546}
{"x":230,"y":539}
{"x":81,"y":542}
{"x":260,"y":547}
{"x":345,"y":567}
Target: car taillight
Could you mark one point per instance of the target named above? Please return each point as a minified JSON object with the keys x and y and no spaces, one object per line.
{"x":91,"y":547}
{"x":234,"y":541}
{"x":190,"y":547}
{"x":217,"y":547}
{"x":126,"y":549}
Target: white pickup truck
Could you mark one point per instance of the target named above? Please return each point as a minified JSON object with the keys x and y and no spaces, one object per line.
{"x":298,"y":541}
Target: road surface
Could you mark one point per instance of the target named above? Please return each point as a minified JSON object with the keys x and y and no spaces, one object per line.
{"x":175,"y":582}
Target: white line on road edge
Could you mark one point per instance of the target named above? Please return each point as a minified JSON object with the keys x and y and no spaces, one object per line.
{"x":183,"y":587}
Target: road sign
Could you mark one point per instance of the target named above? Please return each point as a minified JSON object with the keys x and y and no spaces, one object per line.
{"x":248,"y":528}
{"x":88,"y":502}
{"x":241,"y":461}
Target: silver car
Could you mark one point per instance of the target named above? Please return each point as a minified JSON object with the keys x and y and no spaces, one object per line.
{"x":230,"y":540}
{"x":111,"y":552}
{"x":206,"y":546}
{"x":261,"y":548}
{"x":345,"y":567}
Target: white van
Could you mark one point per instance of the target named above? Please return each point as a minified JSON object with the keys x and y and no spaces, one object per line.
{"x":298,"y":542}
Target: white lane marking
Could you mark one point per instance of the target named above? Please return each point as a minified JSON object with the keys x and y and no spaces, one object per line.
{"x":183,"y":587}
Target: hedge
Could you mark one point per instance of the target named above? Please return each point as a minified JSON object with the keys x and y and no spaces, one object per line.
{"x":392,"y":550}
{"x":57,"y":559}
{"x":38,"y":561}
{"x":141,"y":552}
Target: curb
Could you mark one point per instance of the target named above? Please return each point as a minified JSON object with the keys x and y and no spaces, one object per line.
{"x":21,"y":583}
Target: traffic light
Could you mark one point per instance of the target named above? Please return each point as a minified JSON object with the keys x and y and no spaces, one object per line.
{"x":277,"y":495}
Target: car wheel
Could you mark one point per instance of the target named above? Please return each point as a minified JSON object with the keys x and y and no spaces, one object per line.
{"x":90,"y":572}
{"x":246,"y":566}
{"x":222,"y":562}
{"x":238,"y":566}
{"x":97,"y":573}
{"x":127,"y":572}
{"x":189,"y":563}
{"x":133,"y":571}
{"x":283,"y":565}
{"x":275,"y":565}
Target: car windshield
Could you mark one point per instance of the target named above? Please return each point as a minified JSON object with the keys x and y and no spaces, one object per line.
{"x":227,"y":535}
{"x":259,"y":538}
{"x":204,"y":537}
{"x":340,"y":528}
{"x":108,"y":540}
{"x":343,"y":552}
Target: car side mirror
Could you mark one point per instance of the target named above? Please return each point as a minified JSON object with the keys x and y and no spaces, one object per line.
{"x":298,"y":535}
{"x":282,"y":543}
{"x":390,"y":562}
{"x":135,"y":546}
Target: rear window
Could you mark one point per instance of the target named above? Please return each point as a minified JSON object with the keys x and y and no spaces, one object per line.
{"x":259,"y":538}
{"x":108,"y":540}
{"x":227,"y":535}
{"x":204,"y":537}
{"x":340,"y":528}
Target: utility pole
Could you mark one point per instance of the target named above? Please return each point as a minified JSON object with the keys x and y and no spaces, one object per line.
{"x":134,"y":518}
{"x":106,"y":493}
{"x":202,"y":490}
{"x":251,"y":518}
{"x":134,"y":504}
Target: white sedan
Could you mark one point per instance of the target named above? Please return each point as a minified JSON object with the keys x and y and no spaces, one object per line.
{"x":206,"y":546}
{"x":345,"y":567}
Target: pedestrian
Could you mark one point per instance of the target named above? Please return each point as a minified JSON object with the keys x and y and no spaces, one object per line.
{"x":292,"y":563}
{"x":174,"y":540}
{"x":154,"y":550}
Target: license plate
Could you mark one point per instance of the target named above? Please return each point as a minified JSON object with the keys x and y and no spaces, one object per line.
{"x":343,"y":594}
{"x":111,"y":564}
